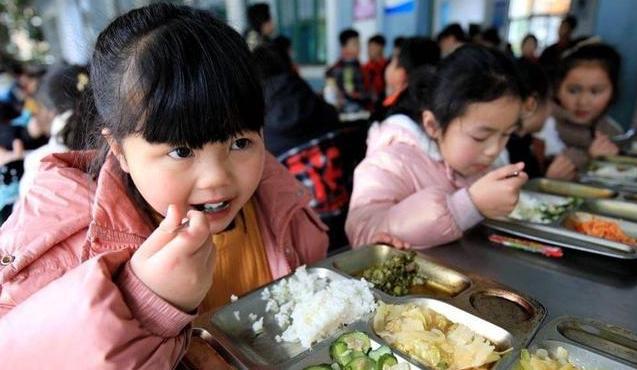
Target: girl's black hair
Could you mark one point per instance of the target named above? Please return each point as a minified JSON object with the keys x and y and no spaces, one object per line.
{"x":529,"y":36}
{"x":173,"y":75}
{"x":603,"y":54}
{"x":61,"y":90}
{"x":418,"y":51}
{"x":258,"y":14}
{"x":471,"y":74}
{"x":534,"y":80}
{"x":61,"y":87}
{"x":270,"y":61}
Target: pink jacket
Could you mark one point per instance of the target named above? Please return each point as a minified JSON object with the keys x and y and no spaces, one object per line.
{"x":68,"y":299}
{"x":403,"y":187}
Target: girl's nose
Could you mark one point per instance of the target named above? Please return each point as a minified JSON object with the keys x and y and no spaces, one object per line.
{"x":213,"y":173}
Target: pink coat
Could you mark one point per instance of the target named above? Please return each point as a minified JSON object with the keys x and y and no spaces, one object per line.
{"x":68,"y":299}
{"x":404,"y":188}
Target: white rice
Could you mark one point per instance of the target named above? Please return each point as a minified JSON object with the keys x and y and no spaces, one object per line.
{"x":252,"y":316}
{"x":257,"y":326}
{"x":237,"y":315}
{"x":317,"y":307}
{"x":233,"y":298}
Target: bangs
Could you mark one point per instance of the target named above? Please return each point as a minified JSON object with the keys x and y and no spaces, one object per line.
{"x":195,"y":84}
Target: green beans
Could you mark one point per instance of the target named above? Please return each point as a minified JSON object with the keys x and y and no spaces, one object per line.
{"x":395,"y":275}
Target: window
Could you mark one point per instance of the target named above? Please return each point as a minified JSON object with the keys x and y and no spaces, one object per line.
{"x":539,"y":17}
{"x":303,"y":21}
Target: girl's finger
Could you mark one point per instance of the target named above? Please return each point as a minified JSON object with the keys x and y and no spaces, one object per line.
{"x":164,"y":233}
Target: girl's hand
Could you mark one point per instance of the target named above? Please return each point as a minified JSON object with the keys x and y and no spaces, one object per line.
{"x":562,"y":168}
{"x":496,"y":193}
{"x":177,"y":260}
{"x":602,"y":146}
{"x":386,"y":238}
{"x":16,"y":153}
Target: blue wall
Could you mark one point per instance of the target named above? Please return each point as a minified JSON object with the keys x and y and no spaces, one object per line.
{"x":615,"y":23}
{"x":415,"y":22}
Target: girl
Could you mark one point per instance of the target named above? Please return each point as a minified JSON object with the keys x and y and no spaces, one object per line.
{"x":58,"y":96}
{"x":415,"y":52}
{"x":586,"y":86}
{"x":105,"y":262}
{"x":536,"y":108}
{"x":424,"y":183}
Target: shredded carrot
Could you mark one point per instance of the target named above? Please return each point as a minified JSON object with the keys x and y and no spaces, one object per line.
{"x":603,"y":229}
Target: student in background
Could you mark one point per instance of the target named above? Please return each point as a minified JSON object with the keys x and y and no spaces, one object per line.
{"x":425,"y":179}
{"x":374,"y":69}
{"x":451,"y":38}
{"x":261,"y":25}
{"x":529,"y":48}
{"x":348,"y":74}
{"x":58,"y":97}
{"x":551,"y":56}
{"x":536,"y":108}
{"x":586,"y":86}
{"x":415,"y":52}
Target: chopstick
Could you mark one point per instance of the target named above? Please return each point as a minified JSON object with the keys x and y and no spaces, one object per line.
{"x":526,"y":245}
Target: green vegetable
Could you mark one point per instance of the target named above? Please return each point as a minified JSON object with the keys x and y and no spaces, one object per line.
{"x":361,"y":363}
{"x":319,"y":367}
{"x":395,"y":275}
{"x":378,"y":352}
{"x":386,"y":361}
{"x":340,"y":353}
{"x":356,"y":341}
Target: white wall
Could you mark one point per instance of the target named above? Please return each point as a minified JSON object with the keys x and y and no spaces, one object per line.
{"x":458,"y":11}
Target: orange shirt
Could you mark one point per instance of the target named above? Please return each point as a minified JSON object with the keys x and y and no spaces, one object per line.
{"x":242,"y":264}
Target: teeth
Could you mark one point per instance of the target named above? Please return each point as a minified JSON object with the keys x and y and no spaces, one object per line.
{"x":215,"y":207}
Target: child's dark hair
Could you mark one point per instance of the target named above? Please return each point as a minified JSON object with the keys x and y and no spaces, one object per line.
{"x":529,"y":36}
{"x":491,"y":36}
{"x":589,"y":51}
{"x":173,"y":75}
{"x":454,"y":30}
{"x":534,"y":80}
{"x":61,"y":87}
{"x":377,"y":39}
{"x":571,"y":21}
{"x":398,"y":41}
{"x":472,"y":74}
{"x":418,"y":51}
{"x":60,"y":91}
{"x":346,"y":35}
{"x":258,"y":14}
{"x":270,"y":62}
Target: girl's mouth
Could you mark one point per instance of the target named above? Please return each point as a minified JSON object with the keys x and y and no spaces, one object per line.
{"x":212,"y":207}
{"x":581,"y":114}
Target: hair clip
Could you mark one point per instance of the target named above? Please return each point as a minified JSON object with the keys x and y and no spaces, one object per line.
{"x":589,"y":41}
{"x":82,"y":81}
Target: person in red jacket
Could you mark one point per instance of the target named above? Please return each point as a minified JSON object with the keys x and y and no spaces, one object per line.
{"x":374,"y":69}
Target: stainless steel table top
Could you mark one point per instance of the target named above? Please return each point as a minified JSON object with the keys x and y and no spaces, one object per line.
{"x":578,"y":284}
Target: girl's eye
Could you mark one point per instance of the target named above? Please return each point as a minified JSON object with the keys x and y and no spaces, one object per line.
{"x":573,"y":90}
{"x":241,"y":144}
{"x":479,"y":139}
{"x":180,"y":153}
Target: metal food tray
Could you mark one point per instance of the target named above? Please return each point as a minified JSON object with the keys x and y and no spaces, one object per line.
{"x":590,"y":343}
{"x":628,"y":184}
{"x":557,"y":233}
{"x":569,"y":189}
{"x":506,"y":317}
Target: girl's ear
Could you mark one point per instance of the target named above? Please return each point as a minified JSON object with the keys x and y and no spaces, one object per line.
{"x":530,"y":105}
{"x":116,"y":149}
{"x":430,"y":125}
